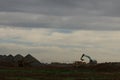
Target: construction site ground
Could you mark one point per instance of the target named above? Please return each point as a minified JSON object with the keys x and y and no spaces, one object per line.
{"x":98,"y":72}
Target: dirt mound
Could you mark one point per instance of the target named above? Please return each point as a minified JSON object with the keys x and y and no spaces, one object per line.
{"x":29,"y":59}
{"x":18,"y":60}
{"x":18,"y":57}
{"x":107,"y":67}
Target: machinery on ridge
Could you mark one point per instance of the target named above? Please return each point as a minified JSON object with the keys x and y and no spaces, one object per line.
{"x":83,"y":63}
{"x":91,"y":61}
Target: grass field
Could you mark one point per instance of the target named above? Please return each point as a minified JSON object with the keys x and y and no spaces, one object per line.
{"x":56,"y":73}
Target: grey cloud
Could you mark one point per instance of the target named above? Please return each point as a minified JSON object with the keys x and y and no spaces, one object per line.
{"x":62,"y":7}
{"x":81,"y":11}
{"x":28,"y":25}
{"x":61,"y":27}
{"x":36,"y":6}
{"x":73,"y":23}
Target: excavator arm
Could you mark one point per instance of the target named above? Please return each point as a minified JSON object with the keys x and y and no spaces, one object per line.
{"x":82,"y":57}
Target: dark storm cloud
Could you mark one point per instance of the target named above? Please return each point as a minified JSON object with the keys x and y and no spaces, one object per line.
{"x":62,"y":8}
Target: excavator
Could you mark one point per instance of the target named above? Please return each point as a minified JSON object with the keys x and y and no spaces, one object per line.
{"x":91,"y":61}
{"x":82,"y":61}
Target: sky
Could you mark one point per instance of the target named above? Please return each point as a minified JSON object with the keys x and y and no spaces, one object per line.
{"x":61,"y":30}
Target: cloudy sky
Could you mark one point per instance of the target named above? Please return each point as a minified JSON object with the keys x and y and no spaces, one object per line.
{"x":61,"y":30}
